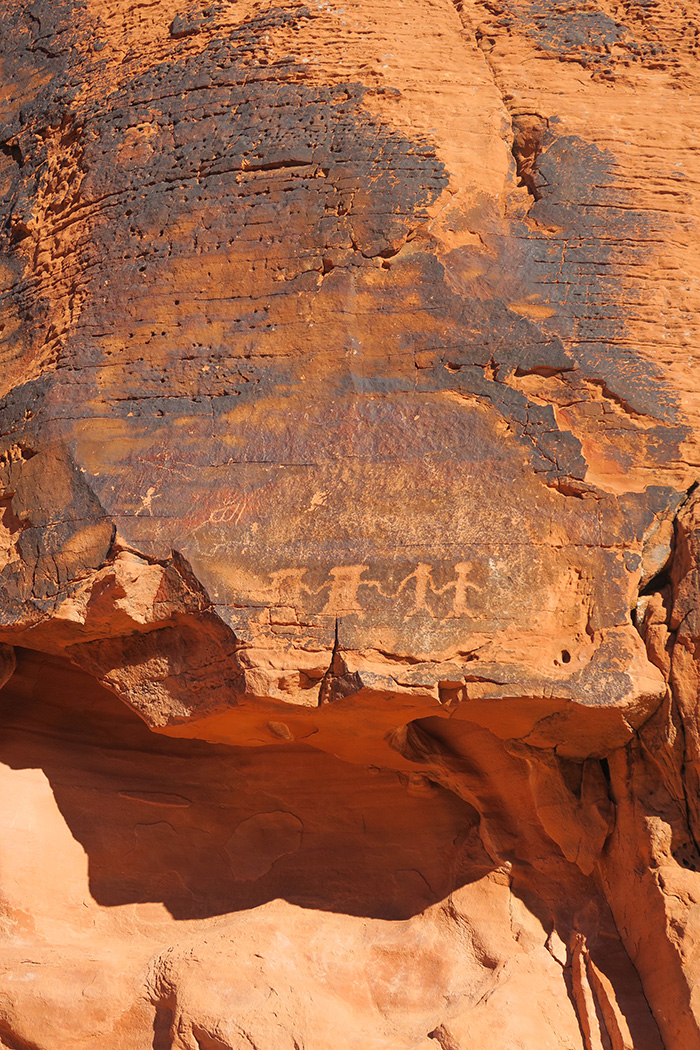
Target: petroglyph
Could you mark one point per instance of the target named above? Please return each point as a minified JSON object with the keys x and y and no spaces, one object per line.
{"x":425,"y":589}
{"x":344,"y":585}
{"x":350,"y":590}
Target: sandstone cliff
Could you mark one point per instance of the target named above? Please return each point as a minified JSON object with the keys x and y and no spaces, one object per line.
{"x":349,"y":534}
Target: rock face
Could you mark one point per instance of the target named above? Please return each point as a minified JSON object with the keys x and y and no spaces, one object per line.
{"x":349,"y":534}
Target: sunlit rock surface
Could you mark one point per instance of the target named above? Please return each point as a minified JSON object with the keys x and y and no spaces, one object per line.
{"x":349,"y":542}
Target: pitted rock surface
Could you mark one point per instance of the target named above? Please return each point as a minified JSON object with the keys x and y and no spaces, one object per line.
{"x":348,"y":526}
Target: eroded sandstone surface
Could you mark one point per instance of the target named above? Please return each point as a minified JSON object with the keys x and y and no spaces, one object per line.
{"x":349,"y":535}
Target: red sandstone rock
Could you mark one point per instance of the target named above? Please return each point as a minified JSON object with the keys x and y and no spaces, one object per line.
{"x":349,"y":540}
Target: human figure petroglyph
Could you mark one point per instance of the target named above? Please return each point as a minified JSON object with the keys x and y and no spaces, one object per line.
{"x":344,"y":585}
{"x":423,"y":575}
{"x":349,"y":591}
{"x":462,"y":586}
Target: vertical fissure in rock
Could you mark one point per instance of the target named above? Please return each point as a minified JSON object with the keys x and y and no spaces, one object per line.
{"x":163,"y":1025}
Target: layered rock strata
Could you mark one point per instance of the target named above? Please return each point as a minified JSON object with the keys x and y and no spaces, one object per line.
{"x":349,"y":540}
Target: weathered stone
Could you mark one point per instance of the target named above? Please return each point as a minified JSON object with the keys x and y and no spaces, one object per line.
{"x":349,"y":539}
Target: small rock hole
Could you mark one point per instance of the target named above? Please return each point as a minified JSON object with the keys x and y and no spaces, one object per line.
{"x":565,"y":656}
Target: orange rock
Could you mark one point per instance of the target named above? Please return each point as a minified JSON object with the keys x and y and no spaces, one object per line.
{"x":349,"y":540}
